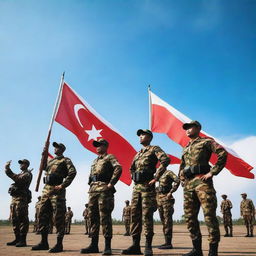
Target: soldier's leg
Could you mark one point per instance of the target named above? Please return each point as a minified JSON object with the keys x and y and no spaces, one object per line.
{"x":106,"y":206}
{"x":15,"y":224}
{"x":94,"y":217}
{"x":86,"y":226}
{"x":225,"y":224}
{"x":246,"y":222}
{"x":127,"y":227}
{"x":191,"y":210}
{"x":136,"y":224}
{"x":251,"y":226}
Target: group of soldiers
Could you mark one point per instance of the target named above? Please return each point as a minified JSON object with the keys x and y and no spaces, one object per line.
{"x":195,"y":175}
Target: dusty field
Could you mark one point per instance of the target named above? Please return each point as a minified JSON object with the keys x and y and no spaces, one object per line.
{"x":238,"y":245}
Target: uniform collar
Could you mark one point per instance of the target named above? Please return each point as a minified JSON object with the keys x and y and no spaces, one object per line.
{"x":193,"y":141}
{"x":102,"y":156}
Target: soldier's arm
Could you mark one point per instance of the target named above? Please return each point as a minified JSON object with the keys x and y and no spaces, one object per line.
{"x":182,"y":166}
{"x":71,"y":173}
{"x":230,"y":204}
{"x":176,"y":181}
{"x":164,"y":162}
{"x":221,"y":155}
{"x":19,"y":179}
{"x":117,"y":170}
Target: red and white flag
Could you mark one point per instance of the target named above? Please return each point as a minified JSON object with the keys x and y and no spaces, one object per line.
{"x":166,"y":119}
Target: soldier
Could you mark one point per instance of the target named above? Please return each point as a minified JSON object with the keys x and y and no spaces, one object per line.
{"x":68,"y":220}
{"x":127,"y":217}
{"x":196,"y":175}
{"x":168,"y":184}
{"x":86,"y":220}
{"x":143,"y":205}
{"x":21,"y":197}
{"x":60,"y":172}
{"x":247,"y":212}
{"x":37,"y":208}
{"x":226,"y":207}
{"x":105,"y":172}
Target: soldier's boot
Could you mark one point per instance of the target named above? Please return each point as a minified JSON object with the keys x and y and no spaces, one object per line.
{"x":248,"y":233}
{"x":167,"y":244}
{"x":231,"y":232}
{"x":213,"y":249}
{"x":197,"y":248}
{"x":134,"y":249}
{"x":148,"y":246}
{"x":226,"y":229}
{"x":93,"y":247}
{"x":15,"y":241}
{"x":22,"y":242}
{"x":251,"y":232}
{"x":58,"y":247}
{"x":107,"y":250}
{"x":43,"y":245}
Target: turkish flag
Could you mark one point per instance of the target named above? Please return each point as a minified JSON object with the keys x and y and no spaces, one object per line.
{"x":168,"y":120}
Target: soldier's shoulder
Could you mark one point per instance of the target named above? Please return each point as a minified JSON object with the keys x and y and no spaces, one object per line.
{"x":156,"y":148}
{"x":67,"y":160}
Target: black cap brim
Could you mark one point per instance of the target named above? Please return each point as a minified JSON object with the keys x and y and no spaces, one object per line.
{"x":55,"y":144}
{"x":20,"y":162}
{"x":96,"y":144}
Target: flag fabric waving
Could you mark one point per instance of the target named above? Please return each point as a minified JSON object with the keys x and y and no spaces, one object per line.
{"x":168,"y":120}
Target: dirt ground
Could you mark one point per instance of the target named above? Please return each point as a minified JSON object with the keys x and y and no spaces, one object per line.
{"x":237,"y":245}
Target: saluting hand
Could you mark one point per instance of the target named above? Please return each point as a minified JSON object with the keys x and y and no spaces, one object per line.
{"x":7,"y":165}
{"x":207,"y":176}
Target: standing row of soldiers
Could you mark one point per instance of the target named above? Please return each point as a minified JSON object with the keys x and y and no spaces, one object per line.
{"x":195,"y":175}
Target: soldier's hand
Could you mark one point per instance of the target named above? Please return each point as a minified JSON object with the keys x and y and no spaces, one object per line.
{"x":58,"y":188}
{"x":152,"y":182}
{"x":110,"y":185}
{"x":7,"y":165}
{"x":169,"y":195}
{"x":207,"y":176}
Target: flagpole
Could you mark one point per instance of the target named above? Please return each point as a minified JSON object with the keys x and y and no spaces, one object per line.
{"x":44,"y":157}
{"x":150,"y":107}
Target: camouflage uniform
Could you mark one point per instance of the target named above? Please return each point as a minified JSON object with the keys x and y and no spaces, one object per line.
{"x":101,"y":198}
{"x":68,"y":221}
{"x":53,"y":203}
{"x":20,"y":201}
{"x":198,"y":192}
{"x":168,"y":183}
{"x":248,"y":211}
{"x":37,"y":208}
{"x":86,"y":221}
{"x":226,"y":207}
{"x":144,"y":203}
{"x":127,"y":218}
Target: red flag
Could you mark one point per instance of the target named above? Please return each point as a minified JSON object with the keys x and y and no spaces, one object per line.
{"x":168,"y":120}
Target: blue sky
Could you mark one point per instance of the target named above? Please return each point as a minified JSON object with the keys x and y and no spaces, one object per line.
{"x":199,"y":56}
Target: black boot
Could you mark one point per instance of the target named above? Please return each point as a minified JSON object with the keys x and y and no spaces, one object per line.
{"x":251,"y":232}
{"x":197,"y":248}
{"x":248,"y":233}
{"x":231,"y":232}
{"x":59,"y":246}
{"x":148,"y":246}
{"x":15,"y":241}
{"x":134,"y":249}
{"x":167,"y":244}
{"x":43,"y":245}
{"x":226,"y":229}
{"x":213,"y":250}
{"x":93,"y":247}
{"x":107,"y":250}
{"x":22,"y":242}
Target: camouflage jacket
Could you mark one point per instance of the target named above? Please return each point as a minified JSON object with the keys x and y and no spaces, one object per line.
{"x":169,"y":181}
{"x":247,"y":207}
{"x":68,"y":215}
{"x":198,"y":152}
{"x":22,"y":181}
{"x":86,"y":213}
{"x":226,"y":206}
{"x":105,"y":165}
{"x":127,"y":212}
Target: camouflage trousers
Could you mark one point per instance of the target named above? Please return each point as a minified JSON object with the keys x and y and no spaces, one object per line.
{"x":52,"y":209}
{"x":143,"y":206}
{"x":67,"y":226}
{"x":87,"y":225}
{"x":166,"y":210}
{"x":227,"y":219}
{"x":248,"y":221}
{"x":201,"y":194}
{"x":100,"y":207}
{"x":19,"y":216}
{"x":127,"y":222}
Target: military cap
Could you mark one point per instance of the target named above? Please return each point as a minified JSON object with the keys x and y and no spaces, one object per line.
{"x":243,"y":194}
{"x":24,"y":161}
{"x":186,"y":126}
{"x":127,"y":201}
{"x":224,"y":195}
{"x":39,"y":197}
{"x":59,"y":145}
{"x":97,"y":143}
{"x":144,"y":131}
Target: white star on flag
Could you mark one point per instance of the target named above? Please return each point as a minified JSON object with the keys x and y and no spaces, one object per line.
{"x":93,"y":133}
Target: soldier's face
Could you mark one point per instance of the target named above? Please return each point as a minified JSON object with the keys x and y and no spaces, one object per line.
{"x":193,"y":132}
{"x":102,"y":149}
{"x":145,"y":139}
{"x":58,"y":151}
{"x":23,"y":166}
{"x":244,"y":196}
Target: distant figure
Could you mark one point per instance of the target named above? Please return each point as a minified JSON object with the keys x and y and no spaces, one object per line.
{"x":127,"y":217}
{"x":36,"y":227}
{"x":247,"y":212}
{"x":226,"y":207}
{"x":21,"y":197}
{"x":86,"y":220}
{"x":68,"y":220}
